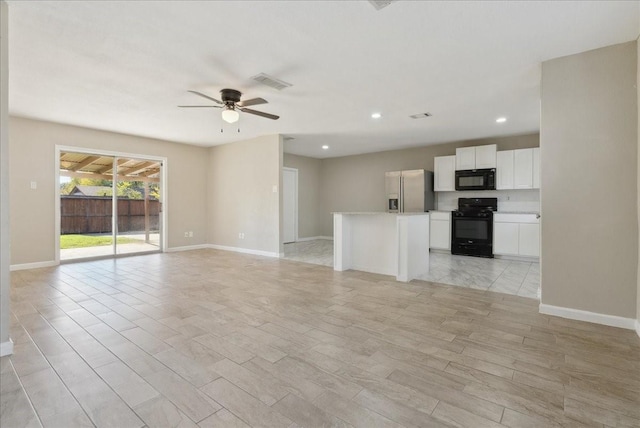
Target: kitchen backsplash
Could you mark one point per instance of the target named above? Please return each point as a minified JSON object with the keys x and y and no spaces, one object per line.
{"x":508,"y":200}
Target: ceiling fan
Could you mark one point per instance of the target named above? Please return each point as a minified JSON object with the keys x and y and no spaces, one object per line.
{"x":231,"y":103}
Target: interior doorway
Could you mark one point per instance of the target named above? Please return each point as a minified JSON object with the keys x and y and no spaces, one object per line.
{"x":289,"y":205}
{"x":109,"y":204}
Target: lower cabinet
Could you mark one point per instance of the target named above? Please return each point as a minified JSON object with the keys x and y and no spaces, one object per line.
{"x":516,"y":235}
{"x":529,"y":240}
{"x":505,"y":238}
{"x":440,"y":230}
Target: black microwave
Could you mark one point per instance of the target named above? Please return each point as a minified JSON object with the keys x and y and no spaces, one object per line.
{"x":476,"y":179}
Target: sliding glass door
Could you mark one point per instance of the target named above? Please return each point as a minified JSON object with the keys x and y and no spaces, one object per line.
{"x":109,"y":205}
{"x":138,"y":208}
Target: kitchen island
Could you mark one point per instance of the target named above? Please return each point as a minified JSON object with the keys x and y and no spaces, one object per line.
{"x":379,"y":242}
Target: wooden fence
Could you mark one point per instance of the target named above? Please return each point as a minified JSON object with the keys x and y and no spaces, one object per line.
{"x":82,"y":214}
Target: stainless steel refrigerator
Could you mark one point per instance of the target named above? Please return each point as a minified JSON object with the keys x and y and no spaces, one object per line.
{"x":409,"y":191}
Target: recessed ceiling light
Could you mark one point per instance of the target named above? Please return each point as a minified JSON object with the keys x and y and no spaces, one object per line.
{"x":325,"y":147}
{"x":501,"y":120}
{"x":376,"y":115}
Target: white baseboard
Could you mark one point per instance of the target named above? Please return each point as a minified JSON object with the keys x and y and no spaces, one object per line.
{"x":188,"y":248}
{"x":245,"y":250}
{"x":638,"y":327}
{"x":438,"y":250}
{"x":596,"y":318}
{"x":35,"y":265}
{"x":6,"y":348}
{"x":314,"y":238}
{"x":518,"y":258}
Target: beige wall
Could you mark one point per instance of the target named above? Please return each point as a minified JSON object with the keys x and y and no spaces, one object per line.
{"x":309,"y":185}
{"x":638,"y":163}
{"x":356,"y":183}
{"x":241,"y":177}
{"x":4,"y":175}
{"x":589,"y":152}
{"x":32,"y":145}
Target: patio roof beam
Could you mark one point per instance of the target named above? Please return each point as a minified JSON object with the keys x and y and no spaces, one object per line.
{"x":95,"y":175}
{"x":84,"y":163}
{"x":151,"y":172}
{"x":121,"y":162}
{"x":140,"y":167}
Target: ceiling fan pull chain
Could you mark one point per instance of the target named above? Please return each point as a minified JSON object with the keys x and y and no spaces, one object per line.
{"x":238,"y":130}
{"x":221,"y":130}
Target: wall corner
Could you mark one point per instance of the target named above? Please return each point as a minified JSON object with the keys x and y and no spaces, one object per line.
{"x":6,"y":346}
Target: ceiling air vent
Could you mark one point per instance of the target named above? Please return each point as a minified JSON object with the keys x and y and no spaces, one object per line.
{"x":420,"y":115}
{"x":272,"y":82}
{"x":380,"y":4}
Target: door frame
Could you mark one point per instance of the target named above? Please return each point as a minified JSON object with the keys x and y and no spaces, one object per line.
{"x":163,"y":195}
{"x":295,"y":202}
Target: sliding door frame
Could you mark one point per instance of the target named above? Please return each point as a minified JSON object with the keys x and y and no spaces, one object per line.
{"x":164,"y":194}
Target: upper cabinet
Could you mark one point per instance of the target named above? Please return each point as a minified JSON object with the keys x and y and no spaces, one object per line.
{"x":486,"y":156}
{"x":478,"y":157}
{"x":523,"y":169}
{"x":536,"y":168}
{"x":444,"y":173}
{"x":518,"y":169}
{"x":504,"y":170}
{"x":465,"y":158}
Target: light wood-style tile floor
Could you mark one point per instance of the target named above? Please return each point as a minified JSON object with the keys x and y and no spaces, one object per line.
{"x":216,"y":339}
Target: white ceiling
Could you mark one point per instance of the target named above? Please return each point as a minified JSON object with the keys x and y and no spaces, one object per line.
{"x":125,"y":66}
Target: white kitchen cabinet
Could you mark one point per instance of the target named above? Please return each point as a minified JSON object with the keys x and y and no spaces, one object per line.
{"x":518,"y":169}
{"x":477,"y":157}
{"x":529,"y":240}
{"x":536,"y":168}
{"x":486,"y":156}
{"x":505,"y":238}
{"x":516,"y":235}
{"x":504,"y":170}
{"x":465,"y":158}
{"x":444,"y":173}
{"x":440,"y":230}
{"x":523,"y":169}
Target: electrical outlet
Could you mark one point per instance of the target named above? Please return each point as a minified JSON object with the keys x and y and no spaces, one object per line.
{"x":186,"y":234}
{"x":190,"y":234}
{"x":241,"y":235}
{"x":34,"y":185}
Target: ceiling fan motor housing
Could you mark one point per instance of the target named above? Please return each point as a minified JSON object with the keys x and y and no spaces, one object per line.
{"x":230,"y":96}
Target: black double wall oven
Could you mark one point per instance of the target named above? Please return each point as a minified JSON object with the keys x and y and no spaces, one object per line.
{"x":472,"y":227}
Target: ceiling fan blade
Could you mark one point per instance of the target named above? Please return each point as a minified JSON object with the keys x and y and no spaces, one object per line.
{"x":252,"y":102}
{"x":206,"y":96}
{"x":200,"y":106}
{"x":259,"y":113}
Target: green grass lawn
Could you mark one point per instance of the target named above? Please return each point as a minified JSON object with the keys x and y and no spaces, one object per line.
{"x":82,"y":241}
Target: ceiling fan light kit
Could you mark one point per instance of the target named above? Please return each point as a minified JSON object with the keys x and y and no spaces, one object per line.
{"x":229,"y":115}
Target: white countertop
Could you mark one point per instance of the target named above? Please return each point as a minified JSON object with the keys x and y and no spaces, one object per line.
{"x":517,"y":212}
{"x":376,"y":213}
{"x":496,"y":212}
